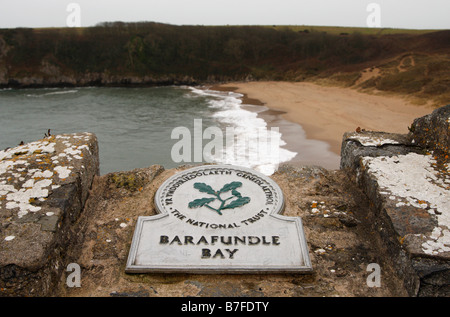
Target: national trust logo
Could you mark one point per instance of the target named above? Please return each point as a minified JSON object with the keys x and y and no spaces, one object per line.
{"x":226,"y":189}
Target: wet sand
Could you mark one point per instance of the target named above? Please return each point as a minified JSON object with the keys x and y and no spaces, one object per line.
{"x":324,"y":114}
{"x":309,"y":151}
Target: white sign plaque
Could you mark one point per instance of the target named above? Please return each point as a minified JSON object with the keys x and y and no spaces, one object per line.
{"x":219,"y":219}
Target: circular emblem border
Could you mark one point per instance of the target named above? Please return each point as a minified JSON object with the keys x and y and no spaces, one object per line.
{"x":278,"y":205}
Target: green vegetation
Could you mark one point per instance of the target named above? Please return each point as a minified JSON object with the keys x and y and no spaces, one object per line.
{"x":126,"y":180}
{"x":153,"y":53}
{"x":423,"y":76}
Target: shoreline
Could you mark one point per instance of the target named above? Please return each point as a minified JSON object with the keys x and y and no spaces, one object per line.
{"x":309,"y":151}
{"x":325,"y":113}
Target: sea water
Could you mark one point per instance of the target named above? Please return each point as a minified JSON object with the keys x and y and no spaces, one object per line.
{"x":134,"y":125}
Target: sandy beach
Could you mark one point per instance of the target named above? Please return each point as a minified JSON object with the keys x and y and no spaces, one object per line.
{"x":326,"y":113}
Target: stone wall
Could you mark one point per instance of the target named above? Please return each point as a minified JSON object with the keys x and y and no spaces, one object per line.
{"x":43,"y":188}
{"x":407,"y":178}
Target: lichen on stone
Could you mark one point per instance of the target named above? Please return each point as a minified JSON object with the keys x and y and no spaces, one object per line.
{"x":30,"y":172}
{"x":128,"y":181}
{"x":372,"y":140}
{"x":415,"y":180}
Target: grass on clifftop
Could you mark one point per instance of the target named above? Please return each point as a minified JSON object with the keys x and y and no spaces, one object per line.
{"x":342,"y":30}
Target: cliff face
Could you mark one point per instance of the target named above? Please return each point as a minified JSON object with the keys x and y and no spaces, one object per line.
{"x":4,"y":48}
{"x":158,"y":54}
{"x":387,"y":205}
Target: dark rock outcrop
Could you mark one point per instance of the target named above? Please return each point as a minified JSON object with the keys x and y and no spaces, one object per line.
{"x":433,"y":131}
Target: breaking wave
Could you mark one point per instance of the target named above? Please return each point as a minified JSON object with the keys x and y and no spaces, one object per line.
{"x":255,"y":145}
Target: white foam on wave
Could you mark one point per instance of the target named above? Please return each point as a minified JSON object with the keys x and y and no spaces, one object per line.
{"x":61,"y":92}
{"x":255,"y":144}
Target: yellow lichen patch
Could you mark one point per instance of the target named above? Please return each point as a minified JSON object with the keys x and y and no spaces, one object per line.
{"x":50,"y":139}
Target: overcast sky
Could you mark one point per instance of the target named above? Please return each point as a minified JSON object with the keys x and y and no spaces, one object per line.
{"x":411,"y":14}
